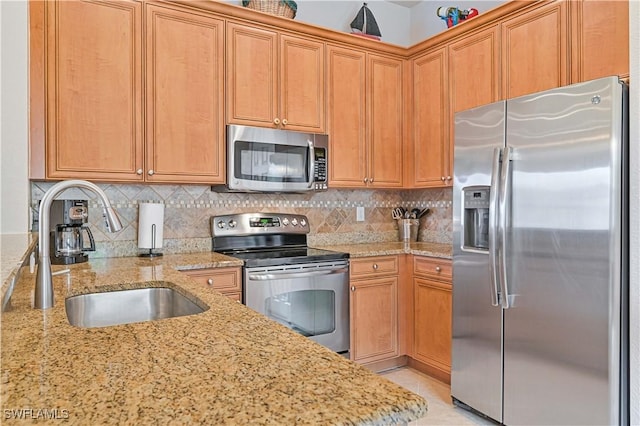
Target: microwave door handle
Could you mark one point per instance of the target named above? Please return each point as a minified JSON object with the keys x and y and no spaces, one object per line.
{"x":312,"y":161}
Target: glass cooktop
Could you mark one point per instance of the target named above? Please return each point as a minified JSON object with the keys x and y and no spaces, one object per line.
{"x":284,"y":256}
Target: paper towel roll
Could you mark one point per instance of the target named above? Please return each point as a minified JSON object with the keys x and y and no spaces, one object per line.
{"x":150,"y":214}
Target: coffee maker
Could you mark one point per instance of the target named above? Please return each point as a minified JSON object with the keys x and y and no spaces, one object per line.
{"x":68,"y":219}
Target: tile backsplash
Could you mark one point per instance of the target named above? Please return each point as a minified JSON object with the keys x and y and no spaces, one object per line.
{"x":188,"y":208}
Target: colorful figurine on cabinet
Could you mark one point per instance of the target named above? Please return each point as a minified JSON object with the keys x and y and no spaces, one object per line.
{"x":453,"y":15}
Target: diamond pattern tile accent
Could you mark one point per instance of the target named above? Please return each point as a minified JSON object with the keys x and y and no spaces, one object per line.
{"x":188,"y":209}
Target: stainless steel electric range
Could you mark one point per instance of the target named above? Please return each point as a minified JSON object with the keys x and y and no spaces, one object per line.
{"x":303,"y":288}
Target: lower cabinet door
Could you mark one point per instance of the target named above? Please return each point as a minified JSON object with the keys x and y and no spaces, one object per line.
{"x":432,"y":323}
{"x":374,"y":319}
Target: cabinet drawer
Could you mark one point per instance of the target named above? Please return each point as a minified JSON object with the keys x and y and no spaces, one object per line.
{"x":374,"y":266}
{"x":221,"y":279}
{"x":237,"y":296}
{"x":432,"y":267}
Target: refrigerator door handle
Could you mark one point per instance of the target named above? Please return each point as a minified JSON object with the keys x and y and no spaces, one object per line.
{"x":505,"y":190}
{"x":493,"y":225}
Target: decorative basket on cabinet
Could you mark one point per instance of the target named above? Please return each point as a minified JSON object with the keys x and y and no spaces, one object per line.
{"x":285,"y":8}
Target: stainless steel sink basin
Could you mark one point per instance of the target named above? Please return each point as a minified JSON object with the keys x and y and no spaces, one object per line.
{"x":128,"y":306}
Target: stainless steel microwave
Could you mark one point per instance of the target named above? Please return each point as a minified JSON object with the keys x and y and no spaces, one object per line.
{"x":270,"y":160}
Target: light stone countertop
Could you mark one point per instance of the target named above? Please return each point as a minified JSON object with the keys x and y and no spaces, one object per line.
{"x":228,"y":365}
{"x":392,"y":248}
{"x":14,"y":248}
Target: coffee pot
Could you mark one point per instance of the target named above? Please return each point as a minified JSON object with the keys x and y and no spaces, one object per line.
{"x":69,"y":228}
{"x":70,"y":240}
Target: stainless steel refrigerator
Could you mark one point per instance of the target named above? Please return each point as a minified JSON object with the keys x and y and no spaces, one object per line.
{"x":540,"y":286}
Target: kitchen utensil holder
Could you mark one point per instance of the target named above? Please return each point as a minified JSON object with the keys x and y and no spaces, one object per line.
{"x":408,"y":229}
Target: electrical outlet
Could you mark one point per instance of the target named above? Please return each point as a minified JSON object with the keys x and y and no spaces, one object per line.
{"x":360,"y":214}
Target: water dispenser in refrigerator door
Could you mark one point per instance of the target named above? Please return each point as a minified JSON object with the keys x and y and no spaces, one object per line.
{"x":476,"y":218}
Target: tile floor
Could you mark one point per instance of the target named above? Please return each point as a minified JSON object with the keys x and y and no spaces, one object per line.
{"x":441,"y":410}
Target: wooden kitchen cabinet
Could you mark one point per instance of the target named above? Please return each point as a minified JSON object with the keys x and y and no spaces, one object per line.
{"x":432,"y":316}
{"x":474,"y":70}
{"x":94,"y":90}
{"x":346,"y":116}
{"x":274,"y":79}
{"x":373,"y":308}
{"x":185,"y":97}
{"x":599,"y":39}
{"x":365,"y":119}
{"x":448,"y":79}
{"x":94,"y":93}
{"x":431,"y":155}
{"x":385,"y":113}
{"x":535,"y":50}
{"x":227,"y":281}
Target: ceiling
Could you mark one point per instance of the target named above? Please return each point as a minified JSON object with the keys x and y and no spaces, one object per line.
{"x":405,"y":3}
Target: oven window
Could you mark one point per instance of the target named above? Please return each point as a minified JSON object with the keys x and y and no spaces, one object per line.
{"x":271,"y":162}
{"x":309,"y":312}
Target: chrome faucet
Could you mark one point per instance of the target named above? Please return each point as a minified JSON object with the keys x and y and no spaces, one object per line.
{"x":44,"y":281}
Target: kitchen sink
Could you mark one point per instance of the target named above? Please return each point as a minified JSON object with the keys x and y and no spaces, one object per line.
{"x":128,"y":306}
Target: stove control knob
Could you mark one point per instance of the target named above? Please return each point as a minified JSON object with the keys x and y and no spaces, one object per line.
{"x":294,"y":221}
{"x":285,"y":221}
{"x":232,"y":223}
{"x":220,"y":224}
{"x":303,"y":222}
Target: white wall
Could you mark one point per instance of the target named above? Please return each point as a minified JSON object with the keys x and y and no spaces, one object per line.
{"x":426,"y":23}
{"x":634,"y":237}
{"x":393,"y":20}
{"x":14,"y":184}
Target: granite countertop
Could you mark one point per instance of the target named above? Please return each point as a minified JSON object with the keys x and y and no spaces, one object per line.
{"x":14,"y":249}
{"x":227,"y":365}
{"x":391,"y":248}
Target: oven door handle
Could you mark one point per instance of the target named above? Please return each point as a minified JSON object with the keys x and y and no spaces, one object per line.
{"x":287,"y":275}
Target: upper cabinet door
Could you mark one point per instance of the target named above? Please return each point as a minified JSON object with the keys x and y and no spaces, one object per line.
{"x":94,"y":90}
{"x":302,"y":105}
{"x":252,"y":77}
{"x":474,"y":68}
{"x":185,"y":97}
{"x":430,"y":159}
{"x":346,"y":119}
{"x":535,"y":50}
{"x":274,"y":80}
{"x":385,"y":121}
{"x":600,"y":39}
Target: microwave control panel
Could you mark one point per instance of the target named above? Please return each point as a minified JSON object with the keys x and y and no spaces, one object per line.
{"x":320,"y":168}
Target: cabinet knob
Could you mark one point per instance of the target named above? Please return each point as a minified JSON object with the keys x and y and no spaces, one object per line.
{"x":371,"y":180}
{"x":365,"y":180}
{"x":276,"y":121}
{"x":375,"y":266}
{"x":448,"y":177}
{"x":353,"y":288}
{"x":139,"y":171}
{"x":442,"y":178}
{"x":284,"y":122}
{"x":150,"y":172}
{"x":210,"y":281}
{"x":438,"y":269}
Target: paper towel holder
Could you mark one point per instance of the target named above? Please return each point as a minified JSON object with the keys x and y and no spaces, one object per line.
{"x":151,"y":252}
{"x":150,"y":222}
